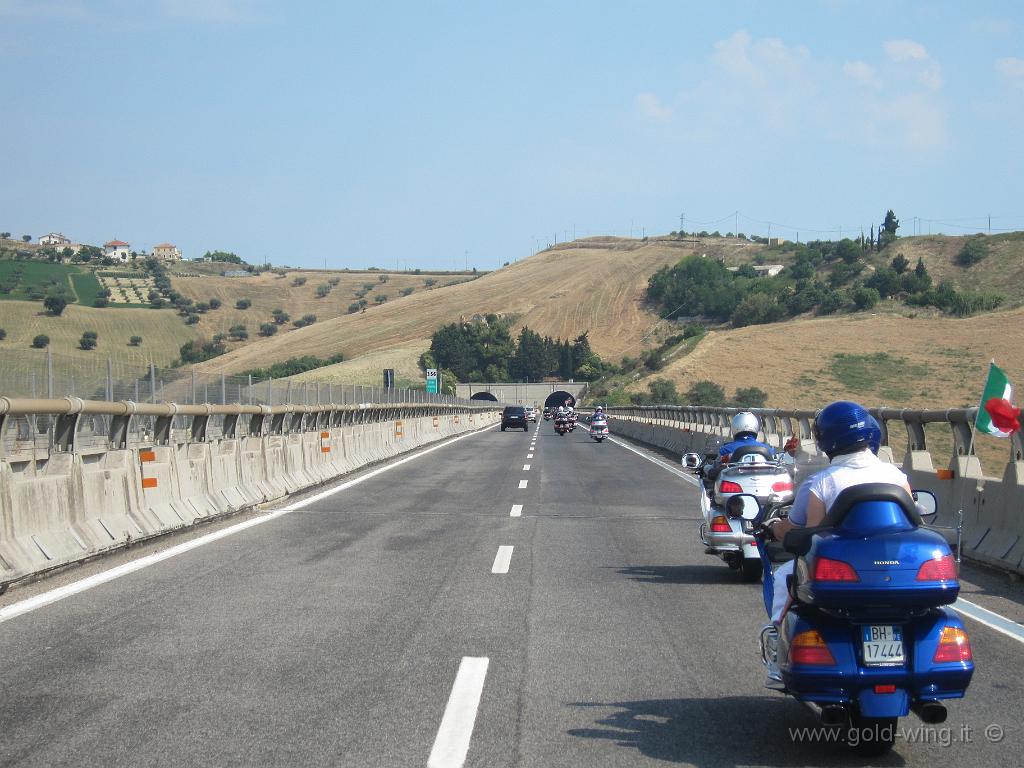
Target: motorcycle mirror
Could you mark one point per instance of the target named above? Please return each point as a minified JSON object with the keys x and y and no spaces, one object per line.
{"x":927,"y":504}
{"x":691,"y":460}
{"x":743,"y":505}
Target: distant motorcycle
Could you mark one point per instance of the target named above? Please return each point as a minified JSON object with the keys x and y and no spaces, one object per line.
{"x":561,"y":423}
{"x":598,"y":428}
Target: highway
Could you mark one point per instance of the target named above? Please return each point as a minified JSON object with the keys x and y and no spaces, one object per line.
{"x":508,"y":599}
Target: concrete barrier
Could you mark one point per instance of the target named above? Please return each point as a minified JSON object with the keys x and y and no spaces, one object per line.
{"x":71,"y":501}
{"x":992,"y":507}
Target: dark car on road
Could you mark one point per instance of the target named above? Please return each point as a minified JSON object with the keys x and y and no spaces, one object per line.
{"x":514,"y":416}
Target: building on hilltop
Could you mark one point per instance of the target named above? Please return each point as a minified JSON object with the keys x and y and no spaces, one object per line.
{"x":54,"y":239}
{"x":117,"y":249}
{"x":167,"y":252}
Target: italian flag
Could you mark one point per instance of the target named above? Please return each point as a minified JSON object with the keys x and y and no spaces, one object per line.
{"x":996,"y":414}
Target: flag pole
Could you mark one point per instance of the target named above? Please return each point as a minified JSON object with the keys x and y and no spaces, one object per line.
{"x":970,"y":452}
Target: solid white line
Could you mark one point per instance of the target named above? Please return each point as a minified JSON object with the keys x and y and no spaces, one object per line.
{"x":526,"y":467}
{"x":452,"y":741}
{"x":990,"y":619}
{"x":502,"y":560}
{"x":517,"y":510}
{"x":522,"y":483}
{"x":678,"y":473}
{"x":38,"y":601}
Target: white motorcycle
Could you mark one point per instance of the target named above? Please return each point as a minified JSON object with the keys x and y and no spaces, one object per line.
{"x":598,"y":429}
{"x":750,"y":470}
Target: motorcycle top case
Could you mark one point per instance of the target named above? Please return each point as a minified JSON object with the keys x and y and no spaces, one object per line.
{"x":886,"y":558}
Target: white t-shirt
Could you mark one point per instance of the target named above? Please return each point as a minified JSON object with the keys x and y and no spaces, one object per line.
{"x":844,"y":471}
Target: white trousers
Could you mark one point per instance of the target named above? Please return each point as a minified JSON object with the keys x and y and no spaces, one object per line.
{"x":781,"y":594}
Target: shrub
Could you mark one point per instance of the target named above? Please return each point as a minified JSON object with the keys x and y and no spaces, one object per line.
{"x":134,"y":341}
{"x":203,"y":306}
{"x":322,"y":290}
{"x":653,"y":360}
{"x":280,"y":316}
{"x":3,"y":334}
{"x":380,"y":298}
{"x":334,"y":280}
{"x":88,"y":340}
{"x":383,"y":278}
{"x":238,"y":333}
{"x":407,"y":291}
{"x":705,"y":393}
{"x":833,"y":301}
{"x":353,"y":307}
{"x":214,"y":303}
{"x":430,"y":282}
{"x":974,"y":250}
{"x":865,"y":297}
{"x":693,"y":329}
{"x":101,"y":301}
{"x":750,"y":397}
{"x":191,"y":318}
{"x":268,"y":329}
{"x":40,"y":341}
{"x":305,"y":320}
{"x":243,"y":304}
{"x":298,"y":281}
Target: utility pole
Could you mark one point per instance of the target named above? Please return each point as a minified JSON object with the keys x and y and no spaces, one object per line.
{"x":682,"y":224}
{"x":990,"y":223}
{"x":736,"y":223}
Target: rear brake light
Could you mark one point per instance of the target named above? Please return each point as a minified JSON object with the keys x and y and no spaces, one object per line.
{"x":953,"y":646}
{"x":940,"y":569}
{"x":809,"y":648}
{"x":885,"y":689}
{"x":720,"y":525}
{"x":782,"y":485}
{"x":833,"y":570}
{"x":728,"y":486}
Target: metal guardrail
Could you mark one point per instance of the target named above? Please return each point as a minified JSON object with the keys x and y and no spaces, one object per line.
{"x":70,"y":424}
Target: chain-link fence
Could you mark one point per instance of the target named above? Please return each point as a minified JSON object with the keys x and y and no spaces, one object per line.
{"x":55,"y":375}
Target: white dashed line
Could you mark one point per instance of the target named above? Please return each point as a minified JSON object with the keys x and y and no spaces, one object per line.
{"x":529,"y":455}
{"x":526,"y":467}
{"x":522,"y":483}
{"x":502,"y":560}
{"x":517,"y":510}
{"x":451,"y":745}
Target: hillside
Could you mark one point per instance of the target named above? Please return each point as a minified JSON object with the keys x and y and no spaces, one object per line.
{"x":591,"y":285}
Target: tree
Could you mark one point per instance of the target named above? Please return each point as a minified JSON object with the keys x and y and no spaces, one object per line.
{"x":88,"y":340}
{"x":134,"y":341}
{"x":5,"y":235}
{"x":885,"y":280}
{"x":268,"y":329}
{"x":887,"y":233}
{"x":380,"y":298}
{"x":900,"y":263}
{"x":865,"y":297}
{"x":305,"y":320}
{"x":280,"y":316}
{"x":238,"y":333}
{"x":100,"y":302}
{"x":27,"y":238}
{"x":3,"y":334}
{"x":847,"y":250}
{"x":750,"y":397}
{"x":55,"y":303}
{"x":663,"y":392}
{"x":243,"y":304}
{"x":974,"y":250}
{"x":224,"y":256}
{"x":214,"y":303}
{"x":705,"y":393}
{"x":40,"y":341}
{"x":353,"y":307}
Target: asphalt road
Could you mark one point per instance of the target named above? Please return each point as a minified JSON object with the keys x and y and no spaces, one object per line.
{"x":335,"y":635}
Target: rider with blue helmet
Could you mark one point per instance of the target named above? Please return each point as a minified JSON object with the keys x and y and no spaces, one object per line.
{"x":850,"y":437}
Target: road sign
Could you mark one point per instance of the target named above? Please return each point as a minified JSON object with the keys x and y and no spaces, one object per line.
{"x":433,"y":381}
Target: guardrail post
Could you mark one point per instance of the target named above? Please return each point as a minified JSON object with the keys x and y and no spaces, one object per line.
{"x":162,"y":430}
{"x":120,"y":426}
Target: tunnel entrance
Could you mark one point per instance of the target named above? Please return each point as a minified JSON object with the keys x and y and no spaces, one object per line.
{"x":558,"y":398}
{"x":483,"y":396}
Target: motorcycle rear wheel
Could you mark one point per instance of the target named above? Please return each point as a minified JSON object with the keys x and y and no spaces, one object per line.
{"x":751,"y":569}
{"x":876,"y":735}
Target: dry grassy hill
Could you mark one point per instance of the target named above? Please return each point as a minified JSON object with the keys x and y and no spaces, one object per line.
{"x":592,"y":285}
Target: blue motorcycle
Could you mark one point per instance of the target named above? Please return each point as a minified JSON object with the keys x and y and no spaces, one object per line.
{"x":867,"y":637}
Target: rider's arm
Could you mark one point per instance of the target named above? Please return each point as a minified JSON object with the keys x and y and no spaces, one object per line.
{"x":808,"y":510}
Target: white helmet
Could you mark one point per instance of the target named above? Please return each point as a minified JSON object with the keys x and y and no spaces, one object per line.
{"x":599,"y":409}
{"x":745,"y":423}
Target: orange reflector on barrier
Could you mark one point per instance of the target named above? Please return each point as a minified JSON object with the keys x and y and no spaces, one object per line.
{"x":149,"y":482}
{"x":147,"y":456}
{"x":325,"y":434}
{"x":325,"y":449}
{"x":437,"y":422}
{"x":399,"y":429}
{"x":944,"y":474}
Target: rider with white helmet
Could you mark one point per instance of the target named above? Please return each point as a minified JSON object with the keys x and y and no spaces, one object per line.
{"x":744,"y":426}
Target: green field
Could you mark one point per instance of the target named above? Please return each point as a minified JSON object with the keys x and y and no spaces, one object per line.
{"x":30,"y":280}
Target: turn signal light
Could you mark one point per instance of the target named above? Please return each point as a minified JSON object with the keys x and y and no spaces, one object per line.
{"x":833,"y":570}
{"x":940,"y":569}
{"x":953,"y":646}
{"x":782,"y":485}
{"x":809,"y":648}
{"x":728,"y":486}
{"x":720,"y":525}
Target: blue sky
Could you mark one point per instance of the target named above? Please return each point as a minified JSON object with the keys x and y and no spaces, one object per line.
{"x":432,"y":134}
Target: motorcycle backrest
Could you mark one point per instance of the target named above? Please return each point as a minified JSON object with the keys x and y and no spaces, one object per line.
{"x":750,"y":450}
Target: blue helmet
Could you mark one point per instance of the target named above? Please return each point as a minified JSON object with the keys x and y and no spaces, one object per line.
{"x":843,"y":427}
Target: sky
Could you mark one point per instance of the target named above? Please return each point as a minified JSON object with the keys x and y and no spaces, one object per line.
{"x":437,"y":135}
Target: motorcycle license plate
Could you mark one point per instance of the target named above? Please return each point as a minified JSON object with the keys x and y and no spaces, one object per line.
{"x":883,"y":645}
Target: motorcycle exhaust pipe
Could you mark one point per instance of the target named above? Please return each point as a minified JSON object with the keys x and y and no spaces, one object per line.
{"x":930,"y":712}
{"x":829,"y":715}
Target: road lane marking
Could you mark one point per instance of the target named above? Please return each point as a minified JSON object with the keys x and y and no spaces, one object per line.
{"x":38,"y":601}
{"x":517,"y":510}
{"x":452,"y":741}
{"x":522,"y":483}
{"x":990,"y":619}
{"x":529,"y":455}
{"x":502,"y":560}
{"x":678,"y":473}
{"x":526,"y":467}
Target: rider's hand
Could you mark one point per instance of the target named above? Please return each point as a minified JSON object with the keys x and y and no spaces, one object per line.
{"x":769,"y":528}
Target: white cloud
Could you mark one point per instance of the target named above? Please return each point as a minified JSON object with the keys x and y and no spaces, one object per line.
{"x":651,"y":108}
{"x":862,"y":74}
{"x":1012,"y":71}
{"x":929,"y":73}
{"x":766,"y":60}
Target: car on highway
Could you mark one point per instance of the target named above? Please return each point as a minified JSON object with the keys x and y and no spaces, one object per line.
{"x":531,"y":413}
{"x":514,"y":417}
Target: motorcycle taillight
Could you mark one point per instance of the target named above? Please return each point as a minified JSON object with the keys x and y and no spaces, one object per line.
{"x":728,"y":486}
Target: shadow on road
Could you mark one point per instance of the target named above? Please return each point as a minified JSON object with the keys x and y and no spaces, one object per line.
{"x":720,"y":732}
{"x":682,"y":574}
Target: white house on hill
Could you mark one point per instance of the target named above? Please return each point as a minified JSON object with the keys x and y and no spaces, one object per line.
{"x":54,"y":239}
{"x":167,"y":252}
{"x":116,"y":249}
